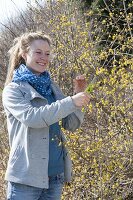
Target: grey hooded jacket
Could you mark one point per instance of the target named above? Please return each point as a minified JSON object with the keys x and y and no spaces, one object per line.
{"x":28,"y":119}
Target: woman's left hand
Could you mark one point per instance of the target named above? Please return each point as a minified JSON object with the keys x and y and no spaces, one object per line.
{"x":79,"y":83}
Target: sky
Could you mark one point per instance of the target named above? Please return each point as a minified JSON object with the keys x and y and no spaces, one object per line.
{"x":10,"y":8}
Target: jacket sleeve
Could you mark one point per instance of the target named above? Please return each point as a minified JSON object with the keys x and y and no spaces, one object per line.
{"x":73,"y":121}
{"x":17,"y":105}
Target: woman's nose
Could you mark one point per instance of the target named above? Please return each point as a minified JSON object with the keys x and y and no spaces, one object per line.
{"x":43,"y":57}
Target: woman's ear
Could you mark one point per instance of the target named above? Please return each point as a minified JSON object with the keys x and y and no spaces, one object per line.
{"x":24,"y":56}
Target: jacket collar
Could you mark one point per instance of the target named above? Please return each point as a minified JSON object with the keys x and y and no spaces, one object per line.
{"x":27,"y":88}
{"x":56,"y":90}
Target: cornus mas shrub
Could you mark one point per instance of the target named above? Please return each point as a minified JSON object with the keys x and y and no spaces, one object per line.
{"x":88,"y":42}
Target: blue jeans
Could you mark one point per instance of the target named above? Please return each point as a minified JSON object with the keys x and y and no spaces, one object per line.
{"x":16,"y":191}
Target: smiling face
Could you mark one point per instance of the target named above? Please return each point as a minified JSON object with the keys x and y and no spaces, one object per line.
{"x":37,"y":57}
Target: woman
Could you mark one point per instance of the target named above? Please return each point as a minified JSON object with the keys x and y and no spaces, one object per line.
{"x":38,"y":163}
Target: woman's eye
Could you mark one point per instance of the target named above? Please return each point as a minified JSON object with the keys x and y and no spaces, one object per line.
{"x":38,"y":52}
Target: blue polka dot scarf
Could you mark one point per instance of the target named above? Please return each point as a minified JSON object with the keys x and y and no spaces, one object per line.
{"x":40,"y":83}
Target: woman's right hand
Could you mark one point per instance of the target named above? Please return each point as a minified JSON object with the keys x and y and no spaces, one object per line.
{"x":81,"y":99}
